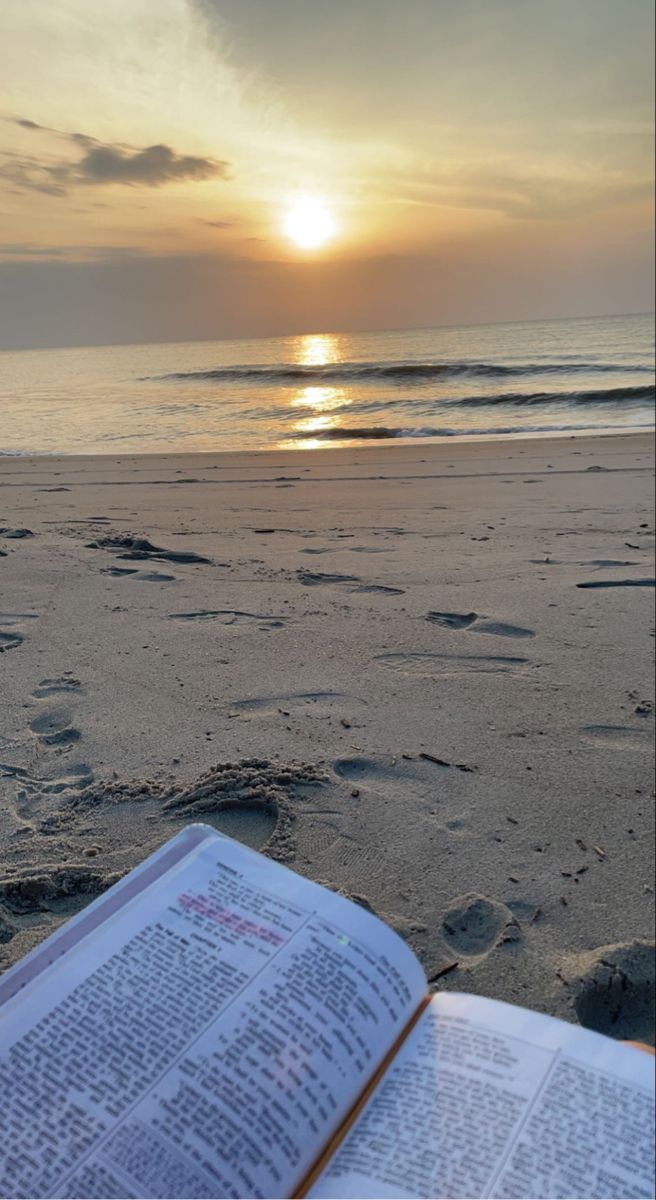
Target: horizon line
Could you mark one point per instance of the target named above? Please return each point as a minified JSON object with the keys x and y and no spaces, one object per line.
{"x":265,"y":337}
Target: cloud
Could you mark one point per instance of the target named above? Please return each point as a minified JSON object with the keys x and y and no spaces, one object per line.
{"x":529,"y":196}
{"x":75,"y":253}
{"x":28,"y":173}
{"x":104,"y":163}
{"x":216,"y":224}
{"x":151,"y":167}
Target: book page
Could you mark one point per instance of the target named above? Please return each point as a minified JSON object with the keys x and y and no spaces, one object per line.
{"x":208,"y":1040}
{"x":488,"y":1100}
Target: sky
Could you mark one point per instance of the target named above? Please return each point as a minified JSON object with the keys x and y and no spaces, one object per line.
{"x":481,"y":160}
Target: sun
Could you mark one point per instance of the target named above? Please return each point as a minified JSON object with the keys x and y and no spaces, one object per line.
{"x":309,"y":223}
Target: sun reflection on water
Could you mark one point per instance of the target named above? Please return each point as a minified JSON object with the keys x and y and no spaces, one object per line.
{"x":314,"y":423}
{"x":319,"y":401}
{"x":320,"y":398}
{"x":301,"y":444}
{"x":317,"y":349}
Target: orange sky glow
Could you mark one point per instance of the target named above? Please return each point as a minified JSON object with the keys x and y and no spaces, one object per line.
{"x":457,"y":162}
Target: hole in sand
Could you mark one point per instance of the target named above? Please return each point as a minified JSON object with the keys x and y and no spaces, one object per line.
{"x":251,"y":822}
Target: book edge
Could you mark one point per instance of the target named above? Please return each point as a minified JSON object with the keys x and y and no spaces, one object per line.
{"x":102,"y":909}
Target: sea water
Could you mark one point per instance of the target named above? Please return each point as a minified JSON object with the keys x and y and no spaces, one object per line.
{"x":332,"y":389}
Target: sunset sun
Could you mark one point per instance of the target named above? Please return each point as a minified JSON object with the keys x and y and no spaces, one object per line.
{"x":309,"y":223}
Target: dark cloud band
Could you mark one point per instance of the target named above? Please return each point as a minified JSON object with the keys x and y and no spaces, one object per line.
{"x":104,"y":163}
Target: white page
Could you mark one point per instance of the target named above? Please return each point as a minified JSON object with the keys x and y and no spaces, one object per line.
{"x":488,"y":1100}
{"x":207,"y":1041}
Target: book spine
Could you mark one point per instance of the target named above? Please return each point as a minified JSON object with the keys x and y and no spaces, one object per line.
{"x":326,"y":1154}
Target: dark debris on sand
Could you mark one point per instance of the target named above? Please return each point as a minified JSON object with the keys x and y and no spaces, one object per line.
{"x":141,"y":549}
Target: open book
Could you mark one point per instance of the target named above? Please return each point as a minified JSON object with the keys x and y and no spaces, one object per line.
{"x":215,"y":1025}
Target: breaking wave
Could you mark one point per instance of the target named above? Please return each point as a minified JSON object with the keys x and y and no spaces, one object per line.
{"x":367,"y":433}
{"x":638,"y":394}
{"x":400,"y":372}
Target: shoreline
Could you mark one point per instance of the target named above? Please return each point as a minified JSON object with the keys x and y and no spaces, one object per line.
{"x":443,"y":718}
{"x":391,"y":444}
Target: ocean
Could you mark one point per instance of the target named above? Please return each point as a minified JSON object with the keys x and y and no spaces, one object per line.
{"x":334,"y":389}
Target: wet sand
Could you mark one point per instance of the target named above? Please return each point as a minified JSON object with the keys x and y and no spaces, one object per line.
{"x":420,"y":674}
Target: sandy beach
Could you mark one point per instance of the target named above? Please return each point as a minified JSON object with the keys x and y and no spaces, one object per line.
{"x":420,"y":674}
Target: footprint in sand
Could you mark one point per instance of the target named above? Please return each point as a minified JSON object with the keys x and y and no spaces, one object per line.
{"x":618,"y":737}
{"x":377,"y":589}
{"x":473,"y":924}
{"x":54,"y":728}
{"x":34,"y":796}
{"x":614,"y":989}
{"x":77,"y":776}
{"x":468,"y":620}
{"x":320,"y":705}
{"x":61,"y":890}
{"x":377,"y":770}
{"x":449,"y":620}
{"x":617,"y":583}
{"x":600,"y":563}
{"x":62,"y":685}
{"x":149,"y":576}
{"x":322,"y":833}
{"x":231,"y":616}
{"x":9,"y":641}
{"x":10,"y":638}
{"x":500,"y":629}
{"x":424,"y":775}
{"x":316,"y":578}
{"x":428,"y":664}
